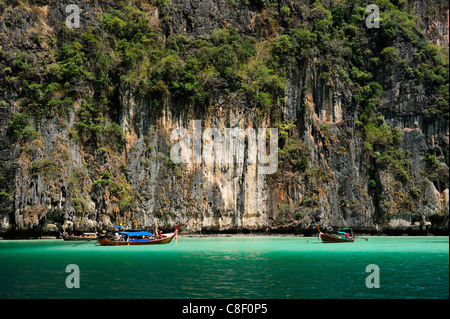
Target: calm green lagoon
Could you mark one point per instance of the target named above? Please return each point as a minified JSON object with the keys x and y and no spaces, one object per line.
{"x":228,"y":267}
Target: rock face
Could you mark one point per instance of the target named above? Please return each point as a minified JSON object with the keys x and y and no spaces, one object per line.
{"x":83,"y":165}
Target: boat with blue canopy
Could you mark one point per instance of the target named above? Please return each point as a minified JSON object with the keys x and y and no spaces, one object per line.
{"x":124,"y":238}
{"x":136,"y":236}
{"x":344,"y":235}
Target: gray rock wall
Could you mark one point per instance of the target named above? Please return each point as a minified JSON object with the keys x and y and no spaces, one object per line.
{"x":58,"y":180}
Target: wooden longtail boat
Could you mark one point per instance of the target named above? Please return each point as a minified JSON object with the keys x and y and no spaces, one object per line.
{"x":139,"y":238}
{"x":85,"y":236}
{"x":344,"y":235}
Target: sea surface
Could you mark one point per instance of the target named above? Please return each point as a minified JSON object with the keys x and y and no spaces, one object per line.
{"x":228,"y":267}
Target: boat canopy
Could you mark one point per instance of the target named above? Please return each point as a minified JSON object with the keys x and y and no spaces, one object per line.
{"x":136,"y":233}
{"x":338,"y":232}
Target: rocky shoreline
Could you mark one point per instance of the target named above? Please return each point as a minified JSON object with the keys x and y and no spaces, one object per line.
{"x":268,"y":232}
{"x":248,"y":235}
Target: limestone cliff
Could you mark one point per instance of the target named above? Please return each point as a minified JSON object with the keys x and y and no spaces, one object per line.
{"x":88,"y":113}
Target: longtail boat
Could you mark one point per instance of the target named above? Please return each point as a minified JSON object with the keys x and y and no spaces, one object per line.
{"x":84,"y":236}
{"x":344,"y":235}
{"x":139,"y":238}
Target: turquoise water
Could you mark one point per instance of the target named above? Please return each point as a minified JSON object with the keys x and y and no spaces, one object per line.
{"x":228,"y":267}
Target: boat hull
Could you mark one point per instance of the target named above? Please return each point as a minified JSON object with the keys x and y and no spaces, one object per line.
{"x":326,"y":238}
{"x":108,"y":242}
{"x":76,"y":238}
